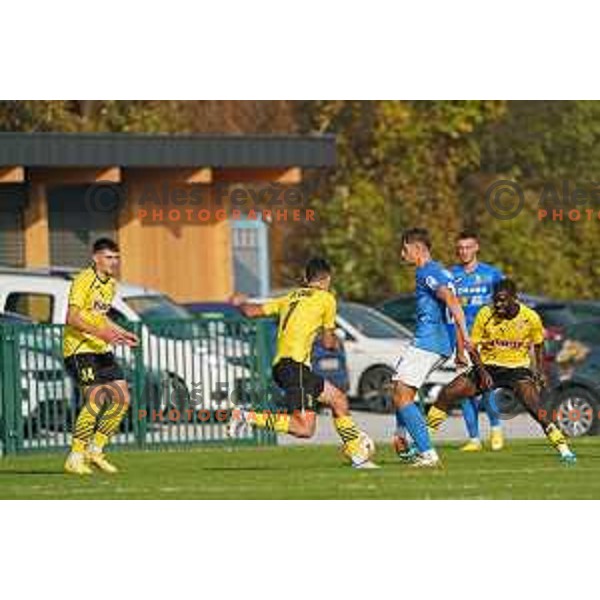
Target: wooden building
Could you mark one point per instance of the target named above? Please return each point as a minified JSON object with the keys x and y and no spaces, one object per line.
{"x":55,"y":199}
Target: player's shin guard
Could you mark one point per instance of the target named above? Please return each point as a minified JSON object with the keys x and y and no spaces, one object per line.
{"x":491,"y":409}
{"x":470,"y":411}
{"x":557,"y":439}
{"x":109,"y":423}
{"x":278,"y":422}
{"x":435,"y":417}
{"x":400,"y":424}
{"x":84,"y":428}
{"x":349,"y":433}
{"x":415,"y":423}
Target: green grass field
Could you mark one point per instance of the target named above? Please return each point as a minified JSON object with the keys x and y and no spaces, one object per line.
{"x":527,"y":469}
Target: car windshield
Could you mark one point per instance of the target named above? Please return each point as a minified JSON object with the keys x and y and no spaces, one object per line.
{"x":585,"y":310}
{"x":586,"y":332}
{"x":14,"y":318}
{"x":556,"y":316}
{"x":156,"y":308}
{"x":370,"y":322}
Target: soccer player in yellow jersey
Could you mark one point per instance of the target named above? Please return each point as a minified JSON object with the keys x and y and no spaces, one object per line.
{"x":505,"y":334}
{"x":303,"y":314}
{"x":88,"y":337}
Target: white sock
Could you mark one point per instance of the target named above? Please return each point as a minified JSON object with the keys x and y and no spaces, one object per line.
{"x":564,"y":449}
{"x":430,"y":454}
{"x":496,"y":428}
{"x":93,"y":448}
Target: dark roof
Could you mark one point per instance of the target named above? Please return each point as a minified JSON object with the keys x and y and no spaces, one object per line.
{"x":160,"y":150}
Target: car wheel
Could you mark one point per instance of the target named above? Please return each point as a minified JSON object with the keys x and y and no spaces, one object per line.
{"x":375,"y":389}
{"x":576,"y":412}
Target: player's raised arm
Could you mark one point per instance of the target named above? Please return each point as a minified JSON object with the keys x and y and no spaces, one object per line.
{"x":252,"y":310}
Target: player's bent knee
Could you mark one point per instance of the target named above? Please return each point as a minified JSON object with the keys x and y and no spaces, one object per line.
{"x":304,"y":424}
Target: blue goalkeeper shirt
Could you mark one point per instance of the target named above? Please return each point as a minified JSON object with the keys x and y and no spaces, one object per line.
{"x":475,"y":288}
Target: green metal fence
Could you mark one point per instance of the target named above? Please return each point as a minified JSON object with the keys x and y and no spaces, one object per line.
{"x":183,"y":380}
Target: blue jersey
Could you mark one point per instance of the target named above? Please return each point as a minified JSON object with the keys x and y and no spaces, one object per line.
{"x":432,"y":332}
{"x":474,"y":289}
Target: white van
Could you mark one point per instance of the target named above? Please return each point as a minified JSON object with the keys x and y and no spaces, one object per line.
{"x":209,"y":367}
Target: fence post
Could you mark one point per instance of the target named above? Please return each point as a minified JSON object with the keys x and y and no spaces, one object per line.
{"x":12,"y":431}
{"x":138,"y":400}
{"x":264,"y":358}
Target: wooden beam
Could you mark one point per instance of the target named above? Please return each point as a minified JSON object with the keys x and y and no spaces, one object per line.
{"x":37,"y":238}
{"x":173,"y":175}
{"x":12,"y":174}
{"x":67,"y":176}
{"x":286,"y":175}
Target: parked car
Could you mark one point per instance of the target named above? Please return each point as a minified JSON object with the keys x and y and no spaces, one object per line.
{"x":555,"y":314}
{"x":374,"y":343}
{"x":174,"y":348}
{"x":45,"y":389}
{"x":402,"y":309}
{"x":574,"y":393}
{"x":330,"y":364}
{"x":585,"y":310}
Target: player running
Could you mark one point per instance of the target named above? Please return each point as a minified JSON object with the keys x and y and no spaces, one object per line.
{"x":88,"y":336}
{"x":505,"y":333}
{"x":474,"y":283}
{"x":303,"y":313}
{"x":437,"y":307}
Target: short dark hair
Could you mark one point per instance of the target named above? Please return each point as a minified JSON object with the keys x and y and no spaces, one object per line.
{"x":105,"y":244}
{"x":468,"y":234}
{"x":416,"y":234}
{"x":505,"y":285}
{"x":316,"y":268}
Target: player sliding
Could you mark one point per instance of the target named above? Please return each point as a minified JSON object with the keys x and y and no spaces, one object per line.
{"x":87,"y":341}
{"x":437,"y":307}
{"x":505,"y":333}
{"x":302,"y":314}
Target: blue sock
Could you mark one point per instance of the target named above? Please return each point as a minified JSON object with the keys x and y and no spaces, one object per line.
{"x":470,"y":410}
{"x":400,"y":424}
{"x":414,"y":421}
{"x":491,"y":408}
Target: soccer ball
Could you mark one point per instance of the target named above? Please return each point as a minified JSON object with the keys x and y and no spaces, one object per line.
{"x":366,"y":445}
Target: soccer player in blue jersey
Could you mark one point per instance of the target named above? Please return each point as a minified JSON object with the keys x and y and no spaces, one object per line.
{"x":437,"y":307}
{"x":474,"y":283}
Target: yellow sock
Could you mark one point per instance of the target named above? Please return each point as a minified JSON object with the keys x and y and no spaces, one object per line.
{"x":279,"y":422}
{"x":84,"y":428}
{"x":555,"y":436}
{"x":110,"y":421}
{"x":435,"y":417}
{"x":100,"y":440}
{"x":78,"y":446}
{"x":349,"y":432}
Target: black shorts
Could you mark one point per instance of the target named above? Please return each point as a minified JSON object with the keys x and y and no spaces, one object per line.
{"x":89,"y":368}
{"x":302,"y":387}
{"x":505,"y":377}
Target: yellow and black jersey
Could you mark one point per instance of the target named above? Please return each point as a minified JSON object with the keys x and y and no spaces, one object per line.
{"x":507,"y":342}
{"x":93,"y":296}
{"x":302,"y":314}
